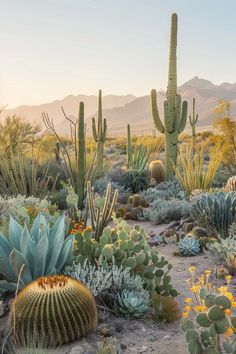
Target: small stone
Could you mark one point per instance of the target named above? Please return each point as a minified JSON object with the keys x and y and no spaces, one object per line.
{"x":143,"y":350}
{"x":172,"y":225}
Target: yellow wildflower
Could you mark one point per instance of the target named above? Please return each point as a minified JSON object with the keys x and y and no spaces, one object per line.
{"x":188,"y":300}
{"x":227,"y":312}
{"x":195,"y":288}
{"x":187,"y":308}
{"x":192,"y":269}
{"x":208,"y":272}
{"x":200,"y":308}
{"x":185,"y":314}
{"x":229,"y":332}
{"x":233,"y":304}
{"x":223,"y":289}
{"x":228,"y":278}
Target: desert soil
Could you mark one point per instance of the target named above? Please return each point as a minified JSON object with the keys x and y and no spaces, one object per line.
{"x":144,"y":336}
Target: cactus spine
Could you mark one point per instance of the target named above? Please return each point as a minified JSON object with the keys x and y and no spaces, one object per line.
{"x":81,"y":157}
{"x":174,"y":117}
{"x":57,"y":309}
{"x":193,"y":120}
{"x":129,"y":147}
{"x":99,"y":133}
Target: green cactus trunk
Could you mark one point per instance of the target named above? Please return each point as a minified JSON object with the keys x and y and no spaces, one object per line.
{"x":193,"y":121}
{"x":81,"y":157}
{"x":174,"y":116}
{"x":99,"y":134}
{"x":129,"y":146}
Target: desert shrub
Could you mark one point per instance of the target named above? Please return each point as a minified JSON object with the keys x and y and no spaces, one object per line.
{"x":222,"y":175}
{"x":216,"y":209}
{"x":164,"y":211}
{"x":165,"y":190}
{"x":192,"y":171}
{"x":136,"y":181}
{"x":100,"y":185}
{"x":126,"y":247}
{"x":166,"y":308}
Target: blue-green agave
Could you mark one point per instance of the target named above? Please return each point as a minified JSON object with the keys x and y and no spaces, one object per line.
{"x":28,"y":255}
{"x":132,"y":303}
{"x":189,"y":246}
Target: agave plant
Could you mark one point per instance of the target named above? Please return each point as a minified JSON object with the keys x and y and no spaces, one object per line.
{"x":132,"y":303}
{"x":25,"y":256}
{"x":218,"y":209}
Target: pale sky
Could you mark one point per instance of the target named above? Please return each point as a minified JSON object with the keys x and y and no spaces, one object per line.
{"x":53,"y":48}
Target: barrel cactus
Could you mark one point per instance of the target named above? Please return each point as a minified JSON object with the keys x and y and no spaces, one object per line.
{"x":58,"y":308}
{"x":189,"y":246}
{"x":157,"y":171}
{"x":231,"y":184}
{"x":28,"y":255}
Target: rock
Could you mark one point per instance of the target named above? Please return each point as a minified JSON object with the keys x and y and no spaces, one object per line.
{"x":155,"y":241}
{"x":172,"y":225}
{"x":142,"y":350}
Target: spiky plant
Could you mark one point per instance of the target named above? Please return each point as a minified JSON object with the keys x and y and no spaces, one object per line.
{"x":175,"y":116}
{"x":188,"y":246}
{"x":132,"y":303}
{"x":57,"y":308}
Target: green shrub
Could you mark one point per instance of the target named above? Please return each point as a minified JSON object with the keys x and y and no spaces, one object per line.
{"x":136,"y":181}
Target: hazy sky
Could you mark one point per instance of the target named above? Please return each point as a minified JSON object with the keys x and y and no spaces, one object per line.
{"x":52,"y":48}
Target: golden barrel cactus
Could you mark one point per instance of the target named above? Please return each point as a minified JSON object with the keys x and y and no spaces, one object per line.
{"x":157,"y":171}
{"x":57,"y":308}
{"x":231,"y":184}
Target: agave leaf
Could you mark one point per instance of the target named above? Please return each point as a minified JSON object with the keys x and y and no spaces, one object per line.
{"x":40,"y":257}
{"x":27,"y":245}
{"x":20,"y":264}
{"x":15,"y":231}
{"x":56,"y":240}
{"x":4,"y":285}
{"x":39,"y":224}
{"x":6,"y":271}
{"x":66,"y":252}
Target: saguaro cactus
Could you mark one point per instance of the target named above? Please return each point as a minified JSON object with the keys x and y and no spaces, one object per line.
{"x":193,"y":120}
{"x":81,"y":157}
{"x":99,"y":133}
{"x":175,"y":116}
{"x":129,"y":147}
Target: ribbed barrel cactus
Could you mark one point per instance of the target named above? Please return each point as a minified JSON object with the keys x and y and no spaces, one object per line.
{"x":57,"y":308}
{"x":175,"y":113}
{"x":28,"y":255}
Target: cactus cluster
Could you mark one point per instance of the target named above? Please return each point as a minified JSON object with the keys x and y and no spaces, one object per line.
{"x":175,"y":116}
{"x":218,"y":209}
{"x":58,"y":308}
{"x":99,"y":134}
{"x":29,"y":254}
{"x":189,"y":246}
{"x":204,"y":337}
{"x":127,"y":247}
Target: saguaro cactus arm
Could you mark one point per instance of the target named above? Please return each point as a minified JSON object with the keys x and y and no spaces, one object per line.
{"x":194,"y":118}
{"x":183,"y":119}
{"x":155,"y":113}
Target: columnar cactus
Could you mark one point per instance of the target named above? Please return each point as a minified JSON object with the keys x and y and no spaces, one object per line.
{"x":57,"y":308}
{"x":81,"y":157}
{"x":175,"y":117}
{"x":99,"y":133}
{"x":129,"y":147}
{"x":193,"y":120}
{"x":57,"y":152}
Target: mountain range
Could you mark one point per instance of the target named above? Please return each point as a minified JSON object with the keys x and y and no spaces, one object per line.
{"x":124,"y":109}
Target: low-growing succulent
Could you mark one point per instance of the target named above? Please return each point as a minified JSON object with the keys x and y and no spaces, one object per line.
{"x":218,"y":209}
{"x":165,"y":190}
{"x":28,"y":255}
{"x":126,"y":247}
{"x":189,"y":246}
{"x":132,"y":303}
{"x":57,"y":308}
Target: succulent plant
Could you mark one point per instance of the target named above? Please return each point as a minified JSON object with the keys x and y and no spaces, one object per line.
{"x":56,"y":307}
{"x":231,"y":184}
{"x":193,"y":121}
{"x":128,"y":248}
{"x":189,"y":246}
{"x":156,"y":169}
{"x":132,"y":303}
{"x":218,"y":209}
{"x":28,"y":255}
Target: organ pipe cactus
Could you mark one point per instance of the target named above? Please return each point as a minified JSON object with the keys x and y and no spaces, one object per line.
{"x":29,"y":255}
{"x":99,"y":133}
{"x":100,"y":209}
{"x":175,"y":113}
{"x":57,"y":309}
{"x":129,"y":147}
{"x":193,"y":120}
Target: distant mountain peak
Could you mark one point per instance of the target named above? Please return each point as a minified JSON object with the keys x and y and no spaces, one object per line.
{"x":199,"y":83}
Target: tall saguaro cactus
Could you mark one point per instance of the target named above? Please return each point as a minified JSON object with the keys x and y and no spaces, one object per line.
{"x":129,"y":146}
{"x":193,"y":120}
{"x":175,"y":113}
{"x":81,"y":157}
{"x":99,"y":133}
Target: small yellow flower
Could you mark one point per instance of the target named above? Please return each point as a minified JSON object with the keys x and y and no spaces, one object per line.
{"x":200,"y":308}
{"x":223,"y":289}
{"x":188,"y":300}
{"x":187,"y":308}
{"x":195,"y":288}
{"x":185,"y":314}
{"x":208,"y":272}
{"x":228,"y":278}
{"x":229,"y":332}
{"x":233,"y":304}
{"x":192,"y":269}
{"x":227,"y":312}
